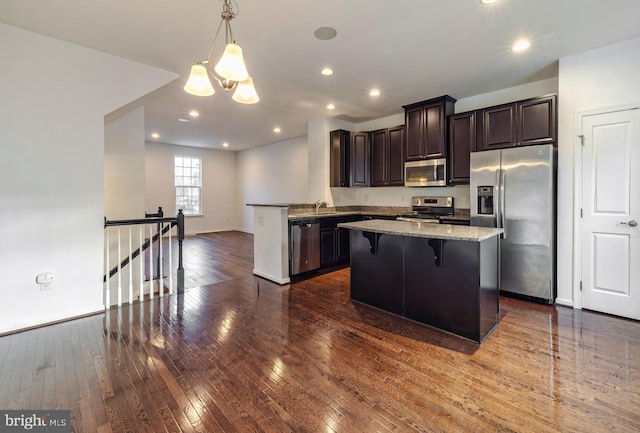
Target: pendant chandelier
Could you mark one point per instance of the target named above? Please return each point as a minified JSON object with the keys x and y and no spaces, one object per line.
{"x":230,"y":71}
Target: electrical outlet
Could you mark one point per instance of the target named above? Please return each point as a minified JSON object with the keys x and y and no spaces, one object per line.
{"x":45,"y":280}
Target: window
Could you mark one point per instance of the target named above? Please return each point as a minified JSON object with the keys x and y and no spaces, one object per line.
{"x":188,"y":182}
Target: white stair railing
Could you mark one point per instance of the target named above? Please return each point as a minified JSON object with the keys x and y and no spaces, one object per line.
{"x":148,"y":255}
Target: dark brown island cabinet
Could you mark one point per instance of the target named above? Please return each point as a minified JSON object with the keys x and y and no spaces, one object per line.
{"x":439,"y":275}
{"x":426,"y":128}
{"x":522,"y":123}
{"x":387,"y":157}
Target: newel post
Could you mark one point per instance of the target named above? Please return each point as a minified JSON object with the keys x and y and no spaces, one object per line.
{"x":180,"y":282}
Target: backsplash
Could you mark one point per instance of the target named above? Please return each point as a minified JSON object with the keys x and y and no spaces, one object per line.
{"x":397,"y":196}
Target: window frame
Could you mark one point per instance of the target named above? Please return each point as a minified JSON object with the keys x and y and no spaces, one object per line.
{"x":186,"y":209}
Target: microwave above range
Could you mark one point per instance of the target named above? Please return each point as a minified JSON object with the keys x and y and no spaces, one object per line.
{"x":427,"y":172}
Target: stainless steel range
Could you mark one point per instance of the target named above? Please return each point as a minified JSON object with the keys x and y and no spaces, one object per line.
{"x":428,"y":209}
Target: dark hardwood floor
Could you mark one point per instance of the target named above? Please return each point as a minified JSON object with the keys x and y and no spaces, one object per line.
{"x":246,"y":355}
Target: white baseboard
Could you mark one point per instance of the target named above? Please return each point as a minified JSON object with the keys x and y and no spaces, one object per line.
{"x":280,"y":281}
{"x":564,"y":302}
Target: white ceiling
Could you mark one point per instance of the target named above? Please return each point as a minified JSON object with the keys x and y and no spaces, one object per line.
{"x":410,"y":49}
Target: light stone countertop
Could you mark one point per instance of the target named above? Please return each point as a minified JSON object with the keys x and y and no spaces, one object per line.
{"x":424,"y":230}
{"x":321,"y":214}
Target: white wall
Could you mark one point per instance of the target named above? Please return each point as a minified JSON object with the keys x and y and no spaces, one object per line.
{"x":277,"y":173}
{"x":600,"y":78}
{"x":219,"y":186}
{"x":51,"y":171}
{"x":124,"y":178}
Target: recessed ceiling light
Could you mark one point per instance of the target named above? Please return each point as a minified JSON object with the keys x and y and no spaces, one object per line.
{"x":155,"y":135}
{"x":521,"y":45}
{"x":277,"y":129}
{"x":374,"y":92}
{"x":488,"y":2}
{"x":225,"y":144}
{"x":327,"y":71}
{"x":331,"y":107}
{"x":194,"y":113}
{"x":184,"y":119}
{"x":325,"y":33}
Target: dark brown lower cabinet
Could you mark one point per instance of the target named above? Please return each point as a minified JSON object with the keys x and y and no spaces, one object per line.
{"x":334,"y":242}
{"x":451,"y":285}
{"x":334,"y":246}
{"x":376,"y":270}
{"x":457,"y":293}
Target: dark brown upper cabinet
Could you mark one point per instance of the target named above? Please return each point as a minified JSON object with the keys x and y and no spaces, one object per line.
{"x":522,"y":123}
{"x":387,"y":157}
{"x":537,"y":121}
{"x":462,"y":141}
{"x":340,"y":166}
{"x":426,"y":128}
{"x":360,"y":159}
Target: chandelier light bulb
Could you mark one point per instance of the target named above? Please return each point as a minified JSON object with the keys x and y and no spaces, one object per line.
{"x":198,"y":83}
{"x":231,"y":64}
{"x":246,"y":92}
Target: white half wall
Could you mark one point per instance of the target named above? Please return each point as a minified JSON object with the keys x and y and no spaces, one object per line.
{"x":219,"y":186}
{"x":51,"y":171}
{"x":601,"y":78}
{"x":124,"y":194}
{"x":276,"y":173}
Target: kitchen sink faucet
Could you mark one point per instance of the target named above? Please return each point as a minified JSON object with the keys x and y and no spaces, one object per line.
{"x":319,"y":203}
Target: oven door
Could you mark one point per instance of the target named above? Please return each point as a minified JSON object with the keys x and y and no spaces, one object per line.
{"x":428,"y":172}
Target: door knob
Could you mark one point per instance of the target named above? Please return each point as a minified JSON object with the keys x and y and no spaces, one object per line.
{"x":632,"y":223}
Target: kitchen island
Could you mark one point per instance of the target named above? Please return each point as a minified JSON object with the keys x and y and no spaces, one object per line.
{"x":441,"y":275}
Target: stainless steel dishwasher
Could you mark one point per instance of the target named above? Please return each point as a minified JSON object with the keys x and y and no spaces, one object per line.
{"x":305,"y":246}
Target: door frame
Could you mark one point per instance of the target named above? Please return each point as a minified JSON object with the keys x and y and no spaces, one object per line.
{"x":578,"y":191}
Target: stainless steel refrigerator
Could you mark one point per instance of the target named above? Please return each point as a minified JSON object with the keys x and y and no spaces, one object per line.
{"x":515,"y":189}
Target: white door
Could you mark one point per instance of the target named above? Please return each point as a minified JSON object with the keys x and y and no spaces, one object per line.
{"x":611,"y":213}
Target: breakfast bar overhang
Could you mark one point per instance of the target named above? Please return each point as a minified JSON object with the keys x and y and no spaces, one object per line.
{"x":441,"y":275}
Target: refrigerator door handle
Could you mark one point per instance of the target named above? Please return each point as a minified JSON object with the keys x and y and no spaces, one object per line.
{"x":497,"y":217}
{"x":503,"y":185}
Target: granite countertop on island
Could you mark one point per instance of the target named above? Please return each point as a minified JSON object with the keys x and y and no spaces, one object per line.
{"x":424,"y":230}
